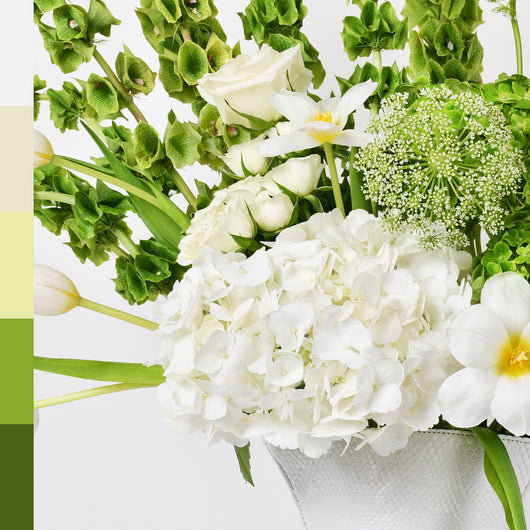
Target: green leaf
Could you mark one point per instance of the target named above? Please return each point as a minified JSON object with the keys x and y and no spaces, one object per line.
{"x":117,"y":372}
{"x":504,"y":480}
{"x":243,"y":458}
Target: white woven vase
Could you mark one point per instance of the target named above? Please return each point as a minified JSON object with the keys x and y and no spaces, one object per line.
{"x":436,"y":483}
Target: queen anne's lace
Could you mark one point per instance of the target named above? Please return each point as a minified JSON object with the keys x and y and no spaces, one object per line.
{"x":338,"y":323}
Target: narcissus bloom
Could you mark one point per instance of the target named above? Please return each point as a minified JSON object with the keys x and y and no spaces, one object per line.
{"x":317,"y":123}
{"x":492,"y":341}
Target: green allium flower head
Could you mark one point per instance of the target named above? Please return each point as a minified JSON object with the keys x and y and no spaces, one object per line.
{"x":441,"y":164}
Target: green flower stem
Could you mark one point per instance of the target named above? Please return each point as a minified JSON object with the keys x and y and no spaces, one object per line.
{"x":117,"y":250}
{"x":476,"y":238}
{"x":54,"y":196}
{"x":516,"y":36}
{"x":43,"y":97}
{"x":105,"y":177}
{"x":330,"y":159}
{"x":358,"y":200}
{"x":377,"y":60}
{"x":91,"y":392}
{"x":116,"y":313}
{"x":116,"y":83}
{"x":181,"y":185}
{"x":126,"y":241}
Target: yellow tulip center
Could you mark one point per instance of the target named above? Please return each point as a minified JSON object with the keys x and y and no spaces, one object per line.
{"x":514,"y":361}
{"x":323,"y":117}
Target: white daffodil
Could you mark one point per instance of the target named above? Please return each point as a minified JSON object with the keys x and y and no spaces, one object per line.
{"x":317,"y":123}
{"x":492,"y":341}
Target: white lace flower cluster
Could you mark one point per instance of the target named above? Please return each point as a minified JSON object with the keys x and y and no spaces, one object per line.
{"x":338,"y":327}
{"x":439,"y":164}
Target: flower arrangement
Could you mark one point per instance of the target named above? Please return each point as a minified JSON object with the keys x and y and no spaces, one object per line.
{"x":335,"y":281}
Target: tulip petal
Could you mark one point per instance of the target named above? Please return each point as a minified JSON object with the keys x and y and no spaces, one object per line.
{"x":476,"y":337}
{"x":280,"y":145}
{"x":351,"y":138}
{"x":298,"y":108}
{"x":466,"y":396}
{"x":508,"y":295}
{"x":511,"y":404}
{"x":354,"y":98}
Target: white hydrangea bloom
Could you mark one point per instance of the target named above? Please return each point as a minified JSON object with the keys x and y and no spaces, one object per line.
{"x":337,"y":325}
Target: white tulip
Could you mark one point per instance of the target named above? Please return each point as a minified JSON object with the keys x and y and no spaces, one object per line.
{"x":248,"y":153}
{"x":42,"y":149}
{"x":299,"y":175}
{"x":54,"y":293}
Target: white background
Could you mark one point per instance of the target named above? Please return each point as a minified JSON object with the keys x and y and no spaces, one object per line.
{"x":110,"y":463}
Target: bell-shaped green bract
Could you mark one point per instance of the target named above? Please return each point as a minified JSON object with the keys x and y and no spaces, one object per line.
{"x":217,"y":52}
{"x":378,"y":28}
{"x":66,"y":106}
{"x":38,"y":84}
{"x":100,"y":19}
{"x":445,"y":45}
{"x":47,"y":5}
{"x":192,"y":62}
{"x":148,"y":148}
{"x":134,"y":73}
{"x":101,"y":96}
{"x":71,"y":22}
{"x":154,"y":27}
{"x":182,"y":144}
{"x":197,"y":10}
{"x":170,"y":9}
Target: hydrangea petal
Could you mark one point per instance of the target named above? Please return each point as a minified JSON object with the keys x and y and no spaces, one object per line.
{"x":508,"y":295}
{"x":476,"y":337}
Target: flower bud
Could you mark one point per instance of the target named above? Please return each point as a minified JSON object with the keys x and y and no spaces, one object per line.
{"x":299,"y":175}
{"x":271,"y":212}
{"x":54,"y":293}
{"x":42,"y":149}
{"x":248,"y":153}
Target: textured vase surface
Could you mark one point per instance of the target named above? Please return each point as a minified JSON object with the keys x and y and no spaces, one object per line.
{"x":437,"y":482}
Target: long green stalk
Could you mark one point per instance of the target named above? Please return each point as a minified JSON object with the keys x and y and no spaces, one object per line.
{"x":516,"y":36}
{"x":54,"y":196}
{"x":181,"y":185}
{"x":335,"y":184}
{"x":91,"y":392}
{"x":116,"y":313}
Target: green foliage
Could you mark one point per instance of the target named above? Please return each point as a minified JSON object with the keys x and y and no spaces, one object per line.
{"x":101,"y":370}
{"x":151,"y":272}
{"x":38,"y":84}
{"x":378,"y":28}
{"x":445,"y":45}
{"x":66,"y":106}
{"x":70,"y":42}
{"x":243,"y":458}
{"x":507,"y":251}
{"x":278,"y":24}
{"x":90,"y":221}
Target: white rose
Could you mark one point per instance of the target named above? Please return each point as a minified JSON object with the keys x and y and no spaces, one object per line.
{"x":246,"y":82}
{"x":248,"y":153}
{"x":299,"y":175}
{"x":271,"y":212}
{"x":213,"y":227}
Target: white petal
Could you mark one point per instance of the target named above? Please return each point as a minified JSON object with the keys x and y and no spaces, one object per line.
{"x":508,"y":294}
{"x":511,"y":405}
{"x":351,"y":138}
{"x":476,"y":336}
{"x":280,"y":145}
{"x":466,"y":396}
{"x":354,"y":98}
{"x":295,"y":106}
{"x":214,"y":408}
